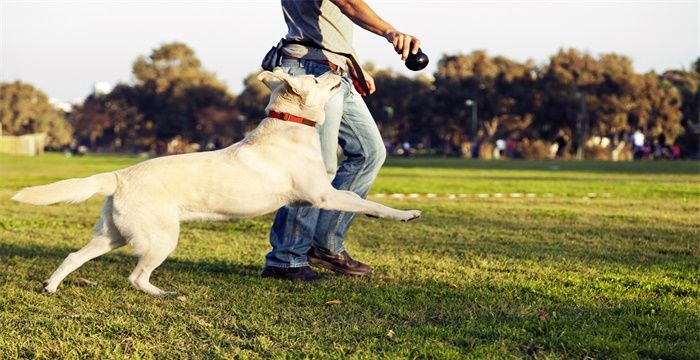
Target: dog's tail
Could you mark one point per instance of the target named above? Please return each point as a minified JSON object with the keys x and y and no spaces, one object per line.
{"x":69,"y":191}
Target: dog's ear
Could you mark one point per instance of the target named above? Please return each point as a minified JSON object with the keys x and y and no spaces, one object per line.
{"x":274,"y":79}
{"x":330,"y":80}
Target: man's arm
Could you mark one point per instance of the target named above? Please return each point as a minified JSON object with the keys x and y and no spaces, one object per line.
{"x":361,"y":14}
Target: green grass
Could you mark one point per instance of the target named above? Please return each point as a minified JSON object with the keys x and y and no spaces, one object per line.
{"x":566,"y":276}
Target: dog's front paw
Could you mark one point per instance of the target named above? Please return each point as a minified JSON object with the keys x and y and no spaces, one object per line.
{"x":410,"y":215}
{"x":47,"y":288}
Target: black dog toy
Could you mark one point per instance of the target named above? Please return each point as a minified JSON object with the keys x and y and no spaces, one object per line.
{"x":417,"y":61}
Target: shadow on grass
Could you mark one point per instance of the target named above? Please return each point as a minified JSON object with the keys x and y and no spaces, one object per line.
{"x":430,"y":314}
{"x":209,"y":266}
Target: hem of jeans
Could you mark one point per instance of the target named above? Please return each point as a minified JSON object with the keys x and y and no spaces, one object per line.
{"x":285,"y":265}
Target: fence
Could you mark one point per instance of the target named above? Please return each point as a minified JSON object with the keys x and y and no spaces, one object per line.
{"x":31,"y":144}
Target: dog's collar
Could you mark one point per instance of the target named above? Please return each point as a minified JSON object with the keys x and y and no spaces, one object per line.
{"x":292,"y":118}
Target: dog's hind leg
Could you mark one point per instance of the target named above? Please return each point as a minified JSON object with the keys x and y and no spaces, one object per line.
{"x":153,"y":248}
{"x":105,"y":238}
{"x":349,"y":201}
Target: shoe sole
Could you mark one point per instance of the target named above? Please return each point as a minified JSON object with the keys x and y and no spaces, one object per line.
{"x":328,"y":266}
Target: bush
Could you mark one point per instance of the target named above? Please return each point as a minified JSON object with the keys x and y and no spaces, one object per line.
{"x":536,"y":149}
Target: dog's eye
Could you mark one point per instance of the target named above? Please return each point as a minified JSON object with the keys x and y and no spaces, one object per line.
{"x":335,"y":86}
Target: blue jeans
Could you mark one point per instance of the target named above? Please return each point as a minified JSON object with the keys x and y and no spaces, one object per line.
{"x":350,"y":125}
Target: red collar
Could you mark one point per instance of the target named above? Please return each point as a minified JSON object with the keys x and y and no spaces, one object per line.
{"x":292,"y":118}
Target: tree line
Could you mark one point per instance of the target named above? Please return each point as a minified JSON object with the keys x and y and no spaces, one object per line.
{"x":573,"y":101}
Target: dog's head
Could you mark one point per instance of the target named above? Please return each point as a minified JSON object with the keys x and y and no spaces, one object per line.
{"x":304,"y":95}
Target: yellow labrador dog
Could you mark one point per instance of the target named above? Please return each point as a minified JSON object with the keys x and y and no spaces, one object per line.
{"x":279,"y":163}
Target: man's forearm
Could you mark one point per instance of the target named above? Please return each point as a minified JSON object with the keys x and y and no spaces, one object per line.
{"x":361,"y":14}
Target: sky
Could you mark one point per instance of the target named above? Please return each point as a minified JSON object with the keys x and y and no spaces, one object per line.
{"x":64,"y":47}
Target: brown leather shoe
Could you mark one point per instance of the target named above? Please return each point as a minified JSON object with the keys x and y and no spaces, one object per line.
{"x":340,"y":263}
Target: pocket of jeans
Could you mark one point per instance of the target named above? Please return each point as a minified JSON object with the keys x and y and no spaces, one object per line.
{"x":350,"y":90}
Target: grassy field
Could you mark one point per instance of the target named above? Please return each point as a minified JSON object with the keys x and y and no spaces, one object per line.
{"x":560,"y":274}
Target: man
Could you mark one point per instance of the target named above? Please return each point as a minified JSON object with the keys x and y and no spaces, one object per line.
{"x":638,"y":144}
{"x":303,"y":236}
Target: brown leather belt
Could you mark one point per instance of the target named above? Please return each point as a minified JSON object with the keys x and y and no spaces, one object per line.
{"x":335,"y":68}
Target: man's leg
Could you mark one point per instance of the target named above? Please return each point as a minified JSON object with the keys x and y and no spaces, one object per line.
{"x":293,"y":228}
{"x":363,"y":146}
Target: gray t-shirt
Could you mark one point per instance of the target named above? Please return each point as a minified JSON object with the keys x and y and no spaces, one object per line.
{"x":321,"y":22}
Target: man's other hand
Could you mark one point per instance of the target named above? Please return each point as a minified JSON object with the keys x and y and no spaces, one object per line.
{"x":369,"y":80}
{"x":370,"y":83}
{"x":403,"y":43}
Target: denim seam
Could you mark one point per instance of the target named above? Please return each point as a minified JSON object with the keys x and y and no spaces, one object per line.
{"x":293,"y":233}
{"x":354,"y":179}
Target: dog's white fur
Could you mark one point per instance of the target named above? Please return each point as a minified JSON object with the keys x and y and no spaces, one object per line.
{"x":279,"y":163}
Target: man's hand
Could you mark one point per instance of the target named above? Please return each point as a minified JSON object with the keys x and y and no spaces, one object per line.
{"x":370,"y":83}
{"x":369,"y":80}
{"x":403,"y":43}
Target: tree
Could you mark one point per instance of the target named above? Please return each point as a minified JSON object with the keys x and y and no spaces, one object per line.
{"x":567,"y":85}
{"x":251,"y":102}
{"x":688,"y":85}
{"x":502,"y":89}
{"x":26,"y":110}
{"x":584,"y":96}
{"x":656,"y":109}
{"x":173,"y":68}
{"x":613,"y":96}
{"x":401,"y":106}
{"x":114,"y":121}
{"x":173,"y":98}
{"x":574,"y":97}
{"x":91,"y":121}
{"x":176,"y":91}
{"x":217,"y":119}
